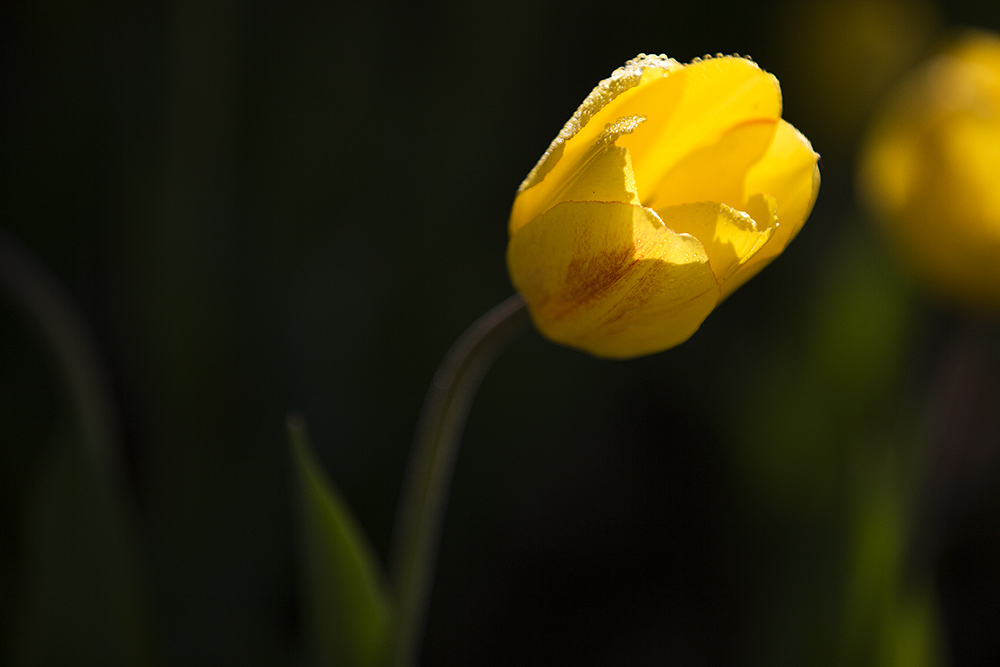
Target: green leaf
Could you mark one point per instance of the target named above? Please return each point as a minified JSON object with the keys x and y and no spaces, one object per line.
{"x":349,"y":613}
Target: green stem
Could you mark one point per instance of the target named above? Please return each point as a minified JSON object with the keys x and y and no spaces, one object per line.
{"x":422,"y":504}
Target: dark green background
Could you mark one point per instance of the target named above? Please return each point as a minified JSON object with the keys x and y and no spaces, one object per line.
{"x":261,"y":207}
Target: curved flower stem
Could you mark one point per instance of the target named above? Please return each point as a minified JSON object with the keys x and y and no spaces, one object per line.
{"x":46,"y":302}
{"x":422,"y":504}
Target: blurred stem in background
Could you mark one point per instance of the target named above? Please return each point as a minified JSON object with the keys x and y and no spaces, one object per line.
{"x":833,"y":472}
{"x":425,"y":491}
{"x":958,"y":472}
{"x":33,"y":286}
{"x":956,"y":448}
{"x":80,"y":598}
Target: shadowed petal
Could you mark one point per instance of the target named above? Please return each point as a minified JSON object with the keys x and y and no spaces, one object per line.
{"x":718,"y":171}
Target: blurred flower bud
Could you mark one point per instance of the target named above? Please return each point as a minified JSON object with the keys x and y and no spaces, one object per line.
{"x":931,"y":170}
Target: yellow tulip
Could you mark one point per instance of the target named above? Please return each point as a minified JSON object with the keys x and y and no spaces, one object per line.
{"x":670,"y":187}
{"x":931,"y":170}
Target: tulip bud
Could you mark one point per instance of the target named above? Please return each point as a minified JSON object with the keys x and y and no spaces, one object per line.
{"x":670,"y":187}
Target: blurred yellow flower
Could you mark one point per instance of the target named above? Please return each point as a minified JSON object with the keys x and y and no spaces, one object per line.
{"x":931,"y":170}
{"x":661,"y":195}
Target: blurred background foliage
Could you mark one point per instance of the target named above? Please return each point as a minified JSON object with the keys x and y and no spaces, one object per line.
{"x":261,"y":207}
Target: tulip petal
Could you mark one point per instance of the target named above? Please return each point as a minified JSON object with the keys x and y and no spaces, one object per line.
{"x":640,"y":69}
{"x":730,"y":237}
{"x":602,"y":172}
{"x":718,"y":171}
{"x":764,"y":210}
{"x":691,"y":108}
{"x":611,"y":279}
{"x":608,"y":177}
{"x":788,"y":173}
{"x":605,"y":174}
{"x":574,"y":143}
